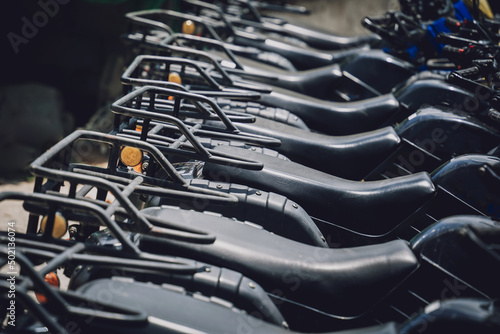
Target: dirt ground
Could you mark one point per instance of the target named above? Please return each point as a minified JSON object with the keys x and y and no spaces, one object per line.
{"x":13,"y":210}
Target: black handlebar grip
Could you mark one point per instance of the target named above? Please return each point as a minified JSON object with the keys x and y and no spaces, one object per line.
{"x":451,"y":51}
{"x":470,"y":72}
{"x":452,"y":24}
{"x":484,"y":63}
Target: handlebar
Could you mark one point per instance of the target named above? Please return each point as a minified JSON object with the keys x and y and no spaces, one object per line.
{"x":470,"y":72}
{"x":465,"y":78}
{"x":395,"y":27}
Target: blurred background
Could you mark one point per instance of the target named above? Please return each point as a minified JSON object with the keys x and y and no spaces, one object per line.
{"x":62,"y":62}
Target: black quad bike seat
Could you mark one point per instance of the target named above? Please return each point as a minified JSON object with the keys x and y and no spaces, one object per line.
{"x":374,"y":207}
{"x":171,"y":306}
{"x":341,"y":281}
{"x":336,"y":118}
{"x":349,"y":157}
{"x":317,"y":83}
{"x":166,"y":308}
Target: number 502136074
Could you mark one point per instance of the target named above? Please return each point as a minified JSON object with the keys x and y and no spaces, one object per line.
{"x":11,"y":245}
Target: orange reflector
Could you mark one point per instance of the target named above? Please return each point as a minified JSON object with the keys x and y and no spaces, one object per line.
{"x":131,"y":156}
{"x":60,"y":225}
{"x":188,"y":27}
{"x":175,"y":78}
{"x":53,"y":280}
{"x":138,"y":168}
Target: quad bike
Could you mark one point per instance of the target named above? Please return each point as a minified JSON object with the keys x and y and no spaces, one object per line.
{"x":276,"y":52}
{"x":395,"y":207}
{"x":133,"y":306}
{"x":368,"y":282}
{"x":354,"y":78}
{"x":422,"y":142}
{"x":333,"y":118}
{"x":358,"y":76}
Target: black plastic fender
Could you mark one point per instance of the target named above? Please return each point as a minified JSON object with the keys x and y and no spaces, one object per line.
{"x":465,"y":247}
{"x":432,"y":136}
{"x":428,"y":90}
{"x":473,"y":178}
{"x":447,"y":132}
{"x":455,"y":316}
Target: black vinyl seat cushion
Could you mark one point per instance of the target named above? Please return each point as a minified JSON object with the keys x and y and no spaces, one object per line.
{"x":342,"y":281}
{"x":171,"y":307}
{"x":351,"y":157}
{"x":335,"y":118}
{"x":373,"y":208}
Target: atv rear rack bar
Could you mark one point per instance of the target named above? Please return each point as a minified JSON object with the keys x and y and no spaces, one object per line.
{"x":145,"y":103}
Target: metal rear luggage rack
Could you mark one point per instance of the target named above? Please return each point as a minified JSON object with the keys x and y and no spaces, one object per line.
{"x":58,"y":306}
{"x":180,"y":40}
{"x":208,"y":78}
{"x":55,"y":167}
{"x":146,"y":107}
{"x":168,"y":20}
